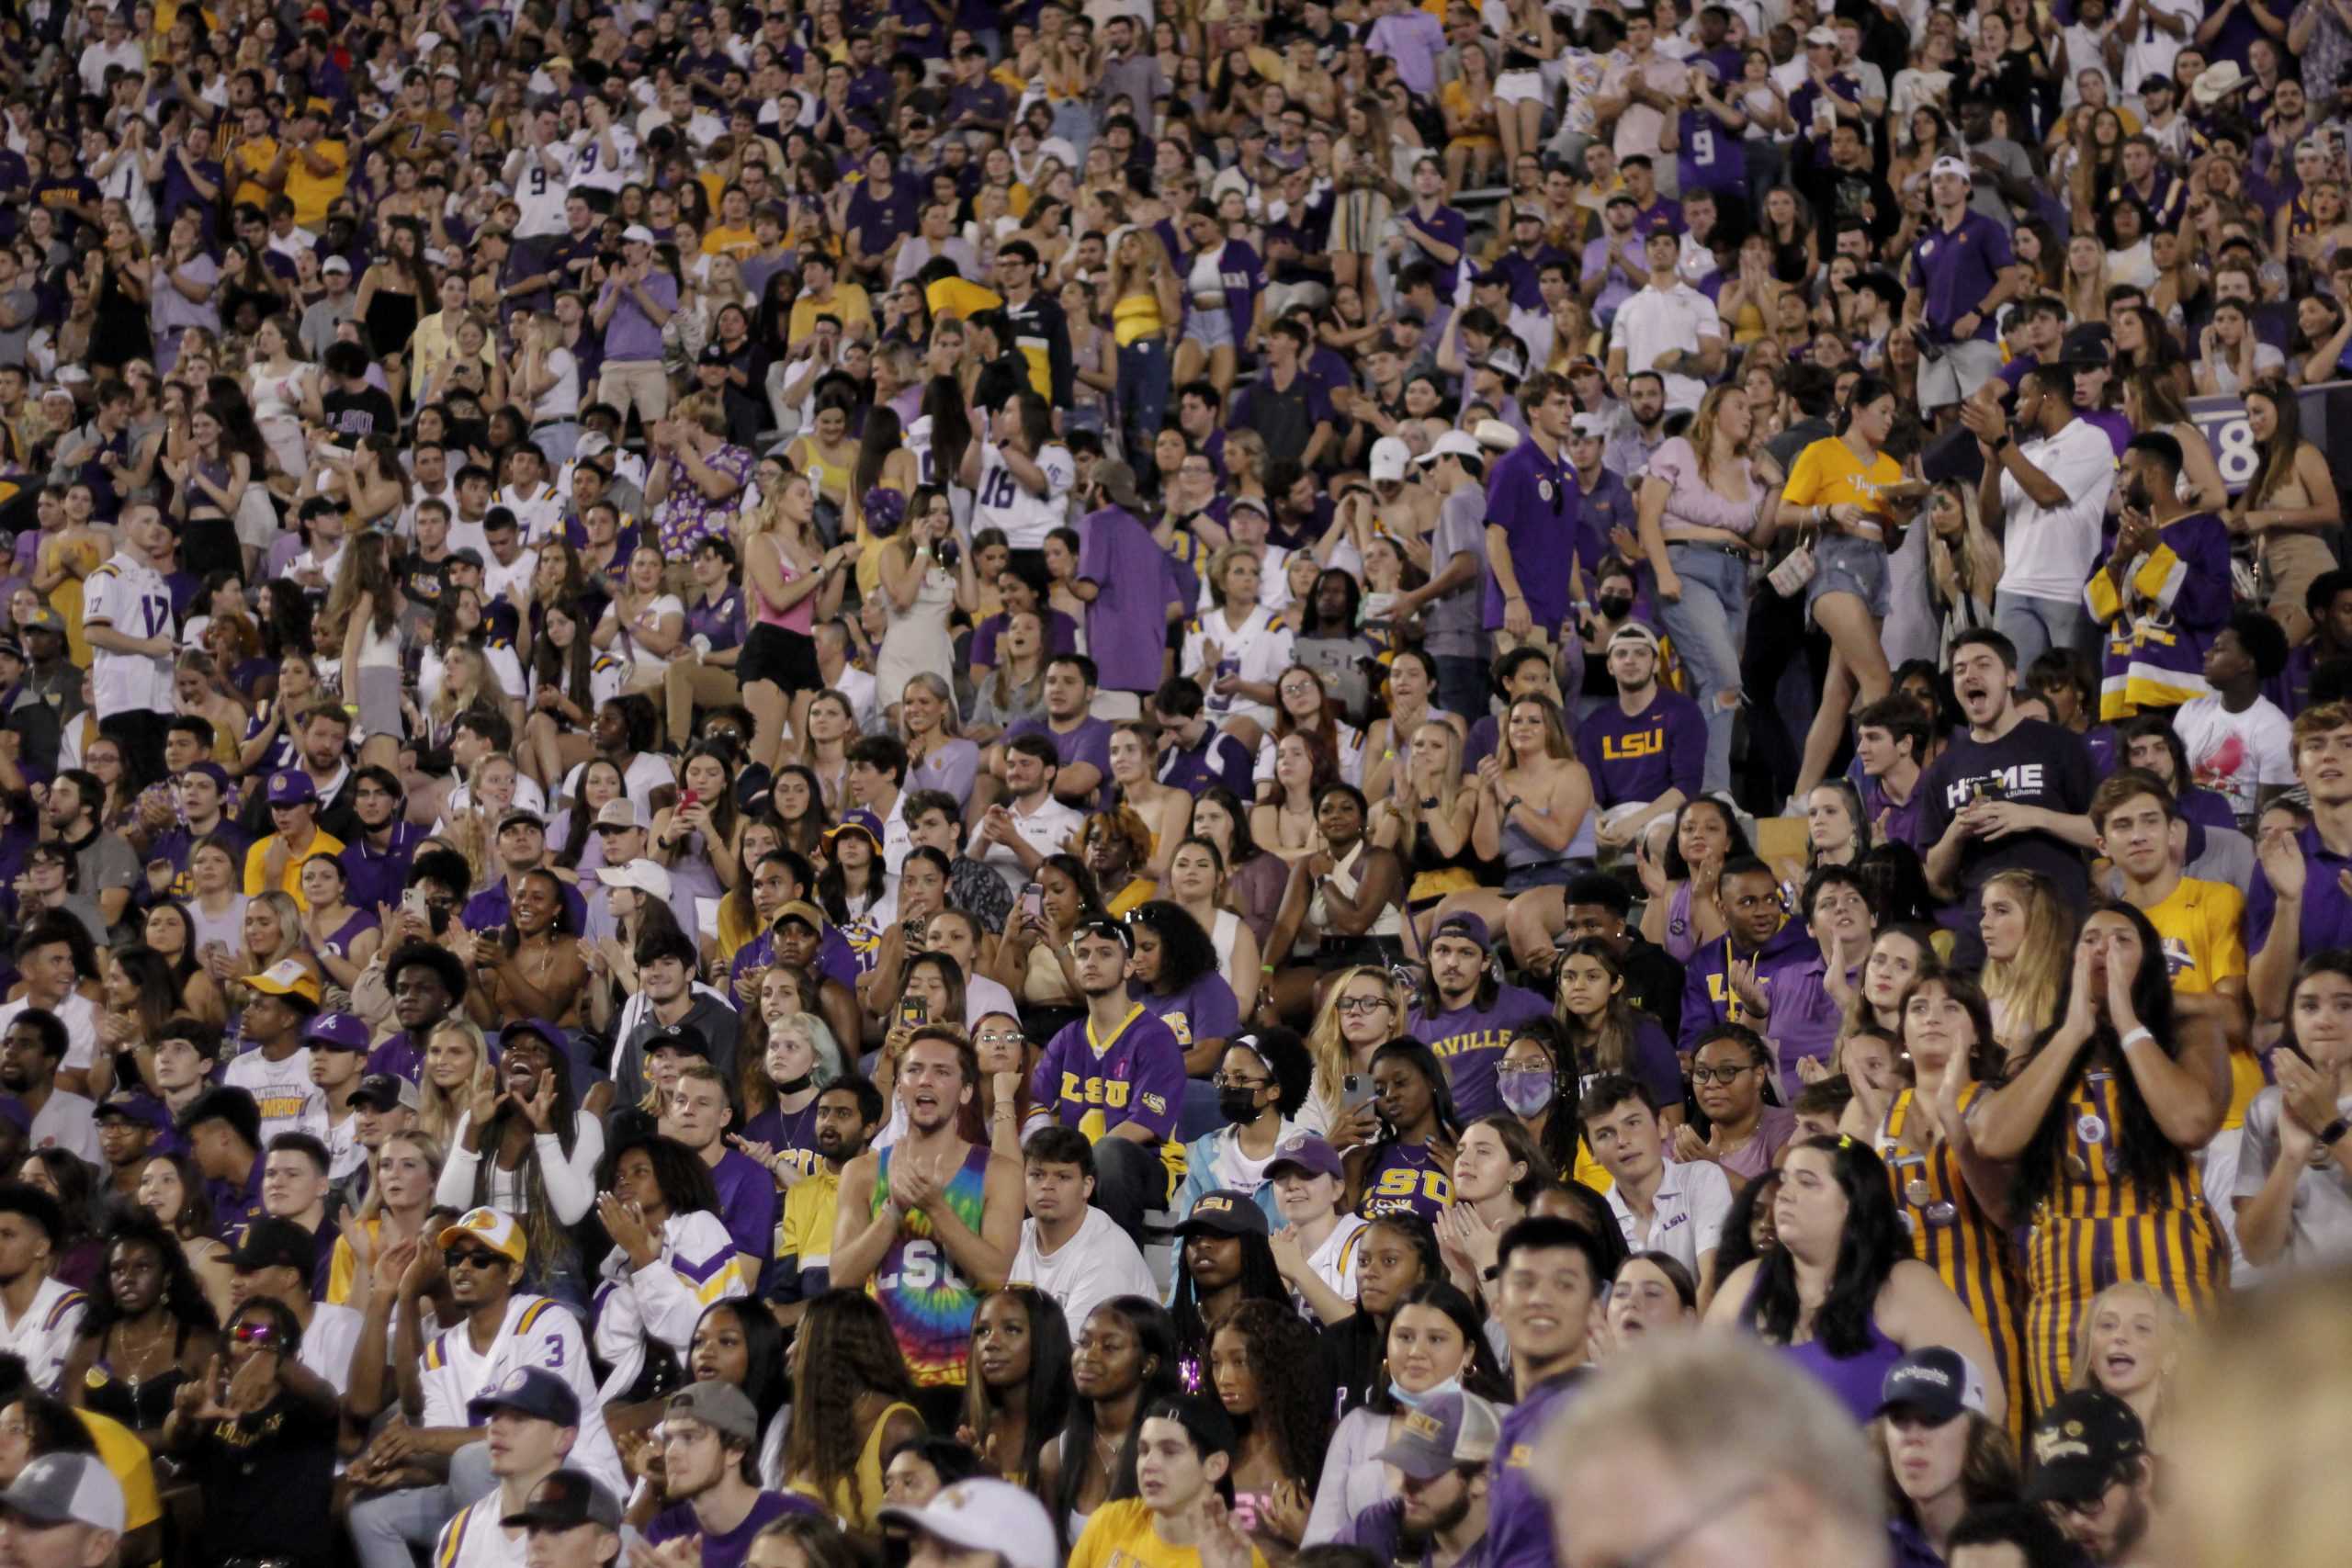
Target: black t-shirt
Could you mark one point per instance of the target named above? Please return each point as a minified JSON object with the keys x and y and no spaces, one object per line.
{"x":351,"y":417}
{"x":2037,"y":763}
{"x":269,"y":1484}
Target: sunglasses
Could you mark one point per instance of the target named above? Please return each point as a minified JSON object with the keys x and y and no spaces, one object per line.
{"x":253,"y":1333}
{"x":469,"y":1257}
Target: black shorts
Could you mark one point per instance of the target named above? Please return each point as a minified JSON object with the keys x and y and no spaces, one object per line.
{"x":210,"y":545}
{"x":787,"y":658}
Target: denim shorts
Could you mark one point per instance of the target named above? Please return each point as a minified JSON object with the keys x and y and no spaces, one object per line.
{"x":1212,"y":329}
{"x":1844,"y":564}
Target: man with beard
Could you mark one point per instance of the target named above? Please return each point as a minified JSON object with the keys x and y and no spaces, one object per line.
{"x":126,"y":1127}
{"x":931,"y":1220}
{"x":502,"y":1331}
{"x":2012,"y":794}
{"x":1442,"y":1458}
{"x":1469,"y":1016}
{"x":427,"y":983}
{"x":1647,"y":751}
{"x":40,"y":1316}
{"x":711,"y":1446}
{"x":107,"y":868}
{"x":848,"y":1111}
{"x":529,"y":1422}
{"x":2092,"y":1470}
{"x":30,"y":1050}
{"x":1118,"y":1061}
{"x":1069,"y":1249}
{"x":1641,"y":429}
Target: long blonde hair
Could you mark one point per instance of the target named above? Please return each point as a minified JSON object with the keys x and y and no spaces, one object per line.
{"x":1448,"y":783}
{"x":1150,"y":265}
{"x":2174,"y":1322}
{"x":438,"y":1110}
{"x":2023,"y":991}
{"x":1969,"y":572}
{"x":1324,"y":1046}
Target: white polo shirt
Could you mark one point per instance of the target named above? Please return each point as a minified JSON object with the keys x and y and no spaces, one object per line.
{"x":1686,"y":1214}
{"x":1657,"y":320}
{"x":2049,"y":551}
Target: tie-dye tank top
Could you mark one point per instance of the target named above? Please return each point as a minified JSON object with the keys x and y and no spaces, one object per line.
{"x":929,"y":1304}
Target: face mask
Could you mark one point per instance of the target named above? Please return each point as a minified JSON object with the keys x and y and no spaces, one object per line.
{"x":1615,"y":608}
{"x":1525,"y":1093}
{"x":1238,"y":1105}
{"x":1419,"y":1401}
{"x":794,"y":1086}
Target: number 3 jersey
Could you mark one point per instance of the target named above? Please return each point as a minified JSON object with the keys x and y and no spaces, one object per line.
{"x":132,"y":597}
{"x":536,"y":1332}
{"x":929,"y":1304}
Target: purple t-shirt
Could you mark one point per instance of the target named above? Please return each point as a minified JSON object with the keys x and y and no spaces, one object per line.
{"x":721,"y":623}
{"x":1959,"y":267}
{"x":1136,"y":1075}
{"x":1471,"y":1041}
{"x":747,"y":1203}
{"x":726,"y":1551}
{"x":1519,"y":1521}
{"x":1205,"y":1009}
{"x":1534,"y":501}
{"x":1126,"y":625}
{"x":793,"y":1133}
{"x":1088,"y":742}
{"x":629,"y":332}
{"x":1639,"y":757}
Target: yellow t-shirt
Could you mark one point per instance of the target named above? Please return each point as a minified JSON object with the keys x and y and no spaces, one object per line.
{"x":736,"y":243}
{"x":1828,"y":474}
{"x":313,"y":193}
{"x":323,"y":844}
{"x":2200,"y":924}
{"x":1120,"y":1534}
{"x":849,"y":305}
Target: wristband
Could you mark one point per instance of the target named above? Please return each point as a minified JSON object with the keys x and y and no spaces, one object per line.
{"x":2135,"y":1037}
{"x":2334,"y":1132}
{"x":2004,"y":443}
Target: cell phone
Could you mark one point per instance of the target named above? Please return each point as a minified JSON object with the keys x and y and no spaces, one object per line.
{"x":413,"y":904}
{"x":1033,"y":902}
{"x":914,"y":1011}
{"x":1356,"y":1091}
{"x":688,"y":800}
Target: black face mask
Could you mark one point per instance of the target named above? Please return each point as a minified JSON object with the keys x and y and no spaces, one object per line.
{"x":1615,"y":608}
{"x":1238,"y":1105}
{"x":794,"y":1086}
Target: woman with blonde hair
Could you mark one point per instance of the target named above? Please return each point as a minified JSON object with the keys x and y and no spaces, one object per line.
{"x":2129,"y":1345}
{"x":2084,"y":286}
{"x":1165,"y":811}
{"x":1147,"y":304}
{"x":273,"y":934}
{"x":1427,"y":819}
{"x":1965,"y":559}
{"x":1363,"y":168}
{"x":1364,"y":1010}
{"x":1534,"y":814}
{"x":792,"y":580}
{"x":1196,"y":884}
{"x":404,"y":1172}
{"x":1703,"y":516}
{"x":455,"y":1058}
{"x":364,"y":611}
{"x":2028,"y":939}
{"x":919,"y":591}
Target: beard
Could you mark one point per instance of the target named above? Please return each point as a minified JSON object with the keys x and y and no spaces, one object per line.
{"x":1417,"y":1537}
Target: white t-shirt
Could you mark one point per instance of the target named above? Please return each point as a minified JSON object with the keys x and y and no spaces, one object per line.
{"x":1046,"y":830}
{"x":1004,"y":502}
{"x":625,"y":642}
{"x":2051,"y":550}
{"x":1657,"y":320}
{"x":539,"y":191}
{"x":1686,"y":1214}
{"x":1258,"y":650}
{"x":474,"y":1539}
{"x":328,"y":1342}
{"x":46,"y":1332}
{"x":593,"y":168}
{"x":2234,"y":754}
{"x":290,"y":1101}
{"x":129,"y":596}
{"x":1334,"y":1262}
{"x":67,"y":1121}
{"x":1098,"y":1263}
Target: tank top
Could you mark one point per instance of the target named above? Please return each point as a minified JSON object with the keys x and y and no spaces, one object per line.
{"x":1855,"y":1381}
{"x":929,"y":1304}
{"x":1404,"y":1180}
{"x":801,"y":617}
{"x":1388,"y":923}
{"x":1135,"y":317}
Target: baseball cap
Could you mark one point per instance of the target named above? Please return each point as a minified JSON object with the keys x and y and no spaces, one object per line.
{"x":566,"y":1500}
{"x":272,"y":1242}
{"x":10,"y":648}
{"x":521,"y":815}
{"x":292,"y":786}
{"x":381,"y":1092}
{"x":494,"y":1228}
{"x":859,"y":820}
{"x":2078,"y":1444}
{"x":1307,"y":1153}
{"x":1633,"y":631}
{"x":637,"y":234}
{"x":1468,"y":927}
{"x":213,"y":770}
{"x":1452,"y":444}
{"x":1225,"y":1213}
{"x":645,"y":876}
{"x":2089,"y":343}
{"x":145,"y":1110}
{"x":1938,"y":1382}
{"x":804,"y":911}
{"x":1505,"y":361}
{"x":986,"y":1515}
{"x":722,"y":1406}
{"x":58,"y":1489}
{"x":44,"y":620}
{"x":1948,"y":165}
{"x":1495,"y":434}
{"x":1452,"y":1429}
{"x":1116,"y":480}
{"x":1822,"y":35}
{"x":1389,"y":457}
{"x":531,"y":1028}
{"x":533,"y":1391}
{"x":286,"y":977}
{"x":1591,"y":426}
{"x":683,"y":1037}
{"x":337,"y":1031}
{"x":334,"y":263}
{"x":619,"y":813}
{"x":715,"y":354}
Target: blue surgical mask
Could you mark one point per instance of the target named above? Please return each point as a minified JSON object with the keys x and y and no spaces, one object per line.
{"x":1417,"y":1401}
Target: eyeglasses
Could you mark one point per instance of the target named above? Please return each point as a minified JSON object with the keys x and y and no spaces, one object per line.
{"x":1224,"y":1081}
{"x":1719,"y":1074}
{"x":469,"y":1257}
{"x":1361,"y":1004}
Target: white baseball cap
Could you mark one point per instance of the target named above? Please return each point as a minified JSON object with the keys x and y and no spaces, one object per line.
{"x":1496,"y":435}
{"x":637,"y":234}
{"x":645,"y":876}
{"x":1389,"y":457}
{"x":1452,"y":444}
{"x":1949,"y":165}
{"x":986,"y":1515}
